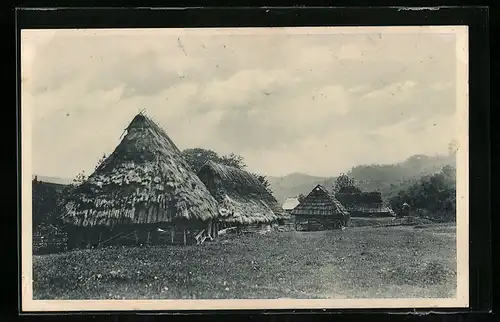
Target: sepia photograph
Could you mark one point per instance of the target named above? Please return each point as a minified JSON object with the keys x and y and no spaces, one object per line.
{"x":244,"y":168}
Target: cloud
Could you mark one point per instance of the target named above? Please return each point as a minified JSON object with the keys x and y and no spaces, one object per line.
{"x":393,"y":93}
{"x":351,"y":51}
{"x":245,"y":86}
{"x":311,"y":103}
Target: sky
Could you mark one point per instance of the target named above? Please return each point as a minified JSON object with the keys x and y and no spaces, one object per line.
{"x":315,"y":102}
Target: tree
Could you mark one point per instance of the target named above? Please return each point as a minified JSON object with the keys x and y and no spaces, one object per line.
{"x":449,"y":173}
{"x":100,"y":161}
{"x":265,"y":182}
{"x":432,"y":194}
{"x":345,"y":184}
{"x":197,"y":157}
{"x":66,"y":193}
{"x":233,"y":160}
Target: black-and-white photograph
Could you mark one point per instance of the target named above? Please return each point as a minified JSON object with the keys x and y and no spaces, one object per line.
{"x":313,"y":167}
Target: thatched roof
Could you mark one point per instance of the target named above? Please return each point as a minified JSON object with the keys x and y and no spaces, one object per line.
{"x":145,"y":180}
{"x":290,"y":203}
{"x":320,"y":202}
{"x":241,"y":196}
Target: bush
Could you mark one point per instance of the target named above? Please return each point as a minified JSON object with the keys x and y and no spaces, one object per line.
{"x":431,"y":197}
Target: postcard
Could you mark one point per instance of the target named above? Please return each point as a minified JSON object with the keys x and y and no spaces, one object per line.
{"x":244,"y":168}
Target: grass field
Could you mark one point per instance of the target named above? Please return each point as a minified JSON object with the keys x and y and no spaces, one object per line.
{"x":359,"y":262}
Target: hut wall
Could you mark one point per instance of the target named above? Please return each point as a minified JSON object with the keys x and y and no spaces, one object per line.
{"x":286,"y":224}
{"x":316,"y":223}
{"x":136,"y":234}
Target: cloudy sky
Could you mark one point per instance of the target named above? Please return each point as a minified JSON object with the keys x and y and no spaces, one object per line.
{"x":317,"y":102}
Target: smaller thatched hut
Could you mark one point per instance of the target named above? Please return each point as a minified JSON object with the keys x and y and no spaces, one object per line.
{"x":244,"y":201}
{"x":320,"y":210}
{"x":365,"y":204}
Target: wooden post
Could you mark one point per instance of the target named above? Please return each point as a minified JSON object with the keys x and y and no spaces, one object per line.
{"x":209,"y":228}
{"x":147,"y":240}
{"x":184,"y":233}
{"x":172,"y":233}
{"x":136,"y":237}
{"x":99,"y":241}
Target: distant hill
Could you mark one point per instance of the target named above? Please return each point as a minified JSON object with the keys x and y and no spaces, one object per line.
{"x":386,"y":178}
{"x":294,"y":184}
{"x":389,"y":179}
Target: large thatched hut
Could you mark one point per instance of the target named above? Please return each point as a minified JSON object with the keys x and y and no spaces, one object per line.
{"x":243,"y":200}
{"x":143,"y":192}
{"x":365,"y":204}
{"x":320,"y":210}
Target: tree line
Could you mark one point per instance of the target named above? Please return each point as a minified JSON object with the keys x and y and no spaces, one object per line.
{"x":431,"y":196}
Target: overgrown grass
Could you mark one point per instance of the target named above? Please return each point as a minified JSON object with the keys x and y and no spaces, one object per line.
{"x":355,"y":263}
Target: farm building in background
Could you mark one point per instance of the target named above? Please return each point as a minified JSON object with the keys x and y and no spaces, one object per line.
{"x":365,"y":204}
{"x":143,"y":192}
{"x":243,"y":200}
{"x":320,"y":210}
{"x":290,"y":204}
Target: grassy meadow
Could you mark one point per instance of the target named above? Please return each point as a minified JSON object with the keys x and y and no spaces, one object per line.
{"x":358,"y":262}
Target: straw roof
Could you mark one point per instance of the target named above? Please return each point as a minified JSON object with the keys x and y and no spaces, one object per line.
{"x":290,"y":203}
{"x":241,"y":196}
{"x":320,"y":202}
{"x":145,"y":180}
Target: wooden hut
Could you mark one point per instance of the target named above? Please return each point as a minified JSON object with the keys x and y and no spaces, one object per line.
{"x":244,"y":201}
{"x":320,"y":210}
{"x":142,"y":193}
{"x":365,"y":204}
